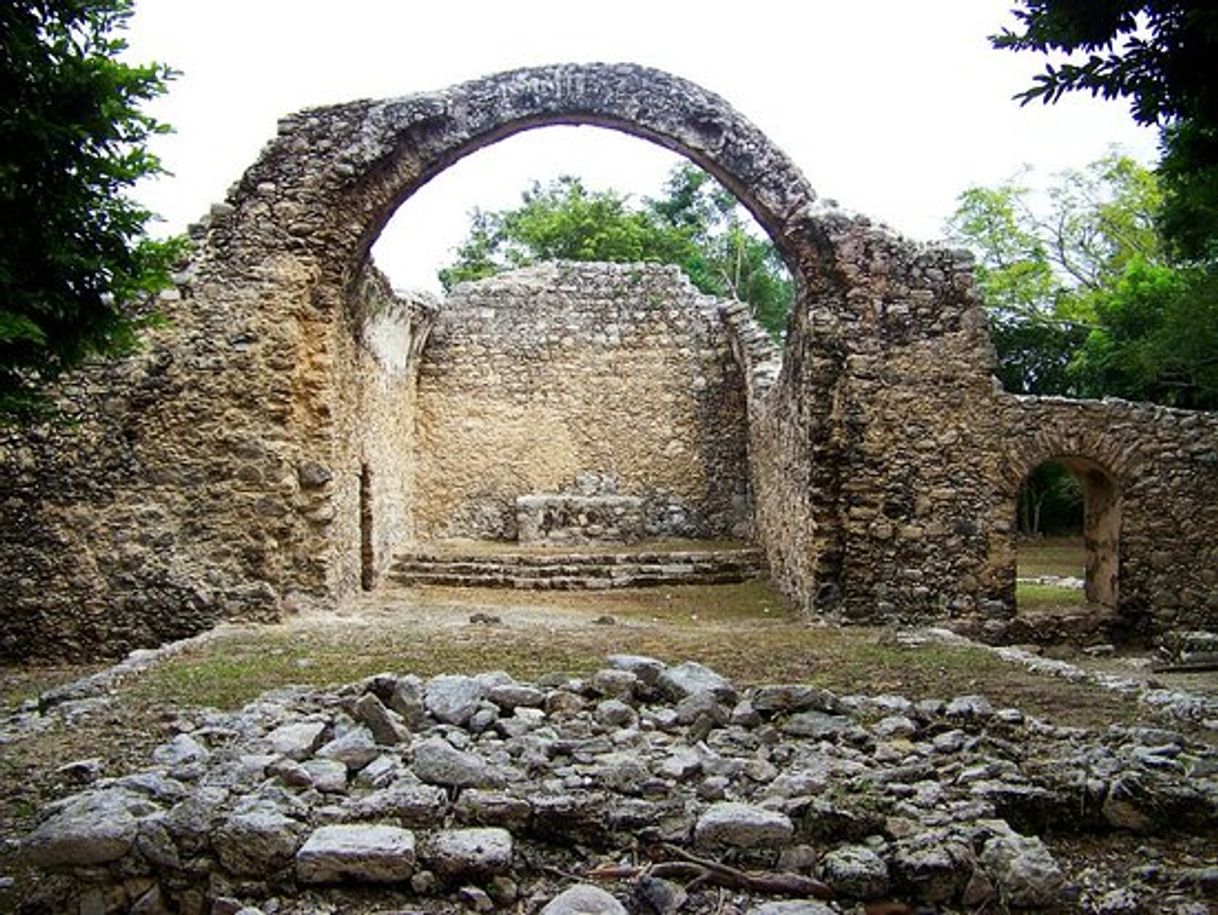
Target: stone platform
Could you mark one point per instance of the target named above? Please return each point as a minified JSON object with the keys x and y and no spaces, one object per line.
{"x":507,"y":565}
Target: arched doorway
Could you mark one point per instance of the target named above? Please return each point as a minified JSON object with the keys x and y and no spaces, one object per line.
{"x":1044,"y":506}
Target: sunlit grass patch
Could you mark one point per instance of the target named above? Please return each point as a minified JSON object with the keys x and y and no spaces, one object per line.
{"x":1032,"y":596}
{"x":1063,"y":557}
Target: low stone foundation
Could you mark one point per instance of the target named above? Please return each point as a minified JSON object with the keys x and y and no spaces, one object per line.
{"x":655,"y":782}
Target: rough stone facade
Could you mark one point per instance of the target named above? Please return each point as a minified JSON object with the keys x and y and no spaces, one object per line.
{"x":260,"y":455}
{"x":557,"y":372}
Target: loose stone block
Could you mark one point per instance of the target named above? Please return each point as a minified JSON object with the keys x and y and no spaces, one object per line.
{"x":474,"y":852}
{"x":583,"y":899}
{"x":369,"y":854}
{"x":743,"y":826}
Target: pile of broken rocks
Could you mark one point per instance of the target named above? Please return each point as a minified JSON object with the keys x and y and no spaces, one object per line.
{"x":644,"y":788}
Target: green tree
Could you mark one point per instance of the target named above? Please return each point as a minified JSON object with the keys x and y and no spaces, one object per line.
{"x":1042,"y":260}
{"x":1160,"y":55}
{"x":1083,"y":296}
{"x":695,"y":224}
{"x":74,"y":259}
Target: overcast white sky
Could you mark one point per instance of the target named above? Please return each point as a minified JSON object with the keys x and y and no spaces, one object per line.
{"x":890,"y":107}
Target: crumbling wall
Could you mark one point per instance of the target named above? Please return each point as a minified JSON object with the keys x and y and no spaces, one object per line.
{"x":372,"y":495}
{"x":537,"y":377}
{"x":180,"y":486}
{"x":887,"y":459}
{"x":258,"y":455}
{"x":1164,"y":464}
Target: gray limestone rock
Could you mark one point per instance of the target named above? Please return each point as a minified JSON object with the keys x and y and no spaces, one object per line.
{"x":817,"y":725}
{"x":411,"y":804}
{"x":406,"y":699}
{"x":855,"y":872}
{"x":183,"y":750}
{"x":769,"y":700}
{"x":969,"y":708}
{"x":510,"y":696}
{"x":386,"y":730}
{"x":690,"y":678}
{"x":492,"y":808}
{"x":328,"y":776}
{"x":438,"y":763}
{"x":380,"y":773}
{"x":454,"y":699}
{"x":894,"y":727}
{"x":615,"y":683}
{"x":931,"y":868}
{"x":792,"y":907}
{"x":1023,"y":870}
{"x":614,"y":713}
{"x":371,"y":854}
{"x":92,"y":829}
{"x":297,"y":740}
{"x":354,"y":749}
{"x":647,"y":669}
{"x":473,"y":852}
{"x":583,"y":899}
{"x":743,"y":826}
{"x":257,"y":842}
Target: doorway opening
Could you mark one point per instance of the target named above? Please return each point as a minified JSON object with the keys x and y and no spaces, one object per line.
{"x":1069,"y":522}
{"x":366,"y":553}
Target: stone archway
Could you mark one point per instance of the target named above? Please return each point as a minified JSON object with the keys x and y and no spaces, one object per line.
{"x":309,"y":210}
{"x":1101,"y":527}
{"x":345,"y":169}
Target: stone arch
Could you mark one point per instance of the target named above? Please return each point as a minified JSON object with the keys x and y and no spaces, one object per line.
{"x":299,"y":226}
{"x":356,"y":163}
{"x":1102,"y":461}
{"x":1102,"y":496}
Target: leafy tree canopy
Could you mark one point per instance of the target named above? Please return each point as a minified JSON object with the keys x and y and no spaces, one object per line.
{"x":1083,"y":296}
{"x":1160,"y":55}
{"x":73,"y":256}
{"x":695,"y":224}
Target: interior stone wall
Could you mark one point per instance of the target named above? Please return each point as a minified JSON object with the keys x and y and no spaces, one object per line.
{"x":537,"y":377}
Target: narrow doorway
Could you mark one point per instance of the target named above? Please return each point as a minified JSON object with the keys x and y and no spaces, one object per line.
{"x":367,"y":555}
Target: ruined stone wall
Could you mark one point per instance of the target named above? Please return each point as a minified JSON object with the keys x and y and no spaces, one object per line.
{"x":1165,"y":466}
{"x":887,"y":460}
{"x":539,"y":376}
{"x":370,"y":509}
{"x":181,"y":488}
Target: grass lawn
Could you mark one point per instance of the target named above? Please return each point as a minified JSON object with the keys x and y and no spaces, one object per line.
{"x":1060,"y":556}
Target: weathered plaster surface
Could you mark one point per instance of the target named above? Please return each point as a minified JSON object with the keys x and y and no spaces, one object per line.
{"x":539,"y":377}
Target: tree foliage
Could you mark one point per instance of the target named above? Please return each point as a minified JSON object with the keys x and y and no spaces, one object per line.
{"x":1083,"y":296}
{"x":1050,"y":502}
{"x":73,"y":254}
{"x":1160,"y":55}
{"x":695,"y":224}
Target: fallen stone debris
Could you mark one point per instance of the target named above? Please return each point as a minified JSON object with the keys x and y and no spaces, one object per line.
{"x":645,"y":788}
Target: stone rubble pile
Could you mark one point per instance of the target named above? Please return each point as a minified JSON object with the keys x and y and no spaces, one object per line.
{"x":564,"y":796}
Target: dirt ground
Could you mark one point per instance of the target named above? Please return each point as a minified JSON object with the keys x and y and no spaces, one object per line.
{"x":746,"y":632}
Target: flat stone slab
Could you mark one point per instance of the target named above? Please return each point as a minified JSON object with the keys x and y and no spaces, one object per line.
{"x":475,"y":852}
{"x":353,"y":851}
{"x":95,"y":830}
{"x":743,"y":826}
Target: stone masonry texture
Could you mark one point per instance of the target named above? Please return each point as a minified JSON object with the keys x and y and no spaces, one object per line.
{"x":294,"y":422}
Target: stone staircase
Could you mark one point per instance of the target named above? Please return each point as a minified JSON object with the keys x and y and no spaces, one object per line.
{"x":577,"y":570}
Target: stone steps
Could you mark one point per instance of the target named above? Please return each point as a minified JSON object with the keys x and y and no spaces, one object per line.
{"x":578,"y":571}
